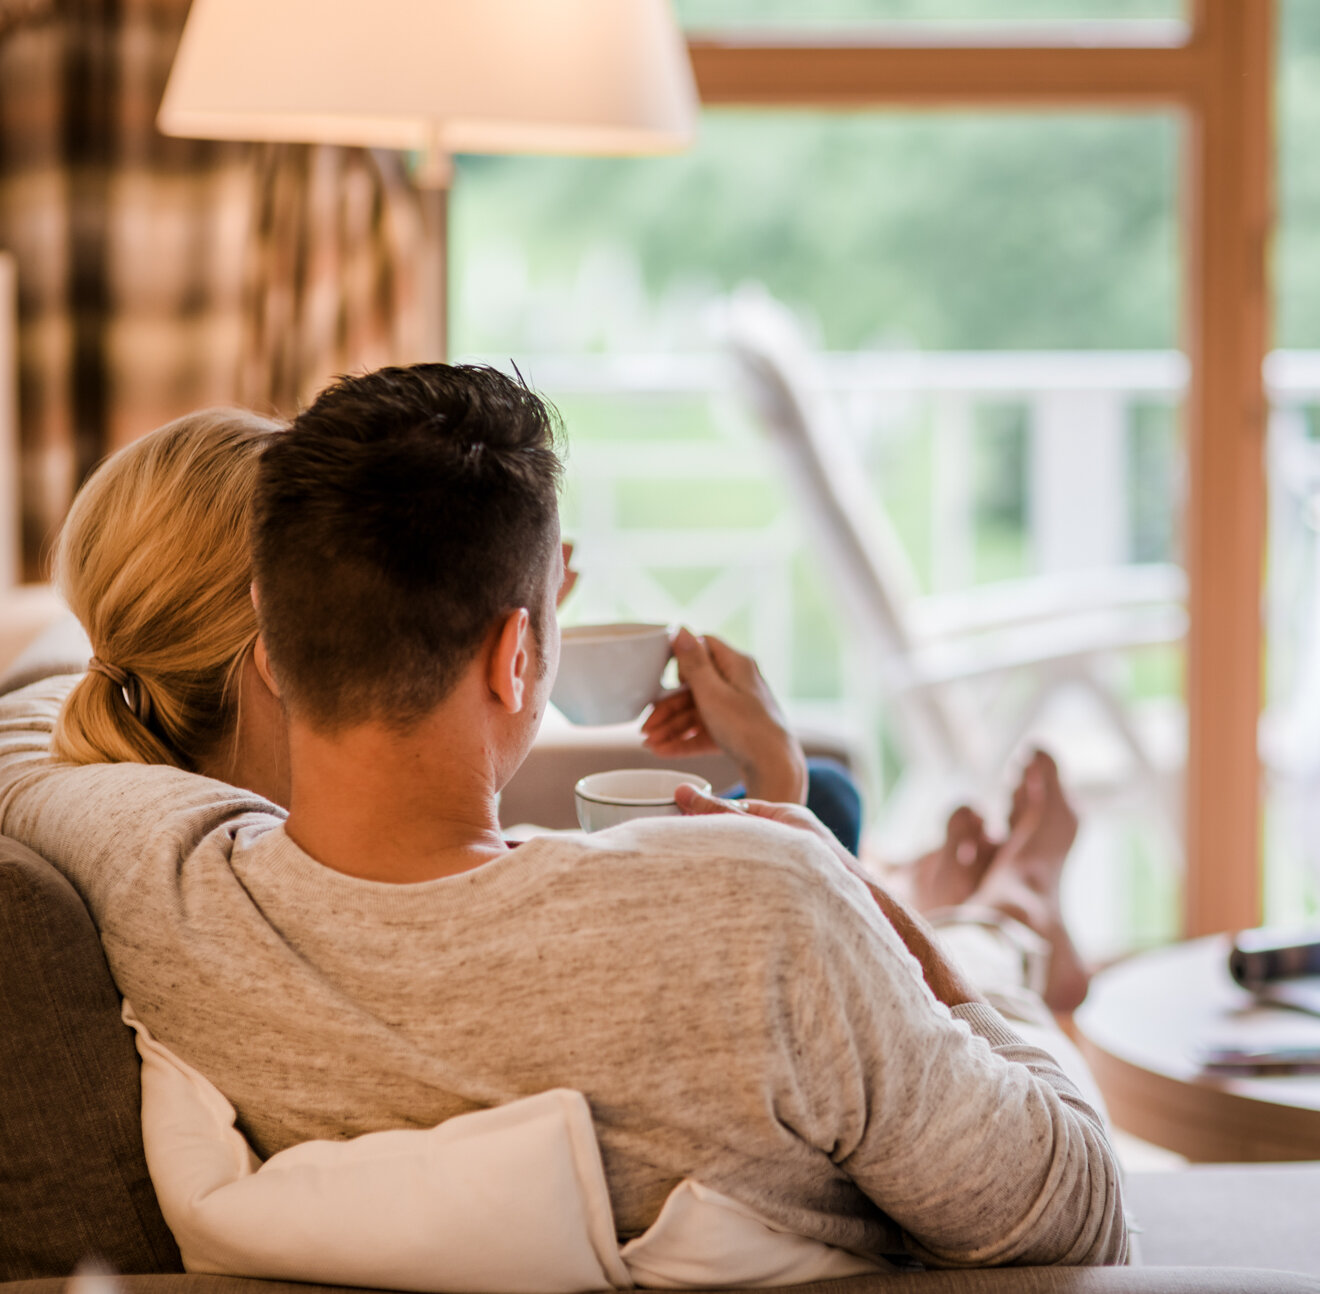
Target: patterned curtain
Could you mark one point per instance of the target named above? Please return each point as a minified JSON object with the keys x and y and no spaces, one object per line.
{"x":331,"y":285}
{"x":158,"y":275}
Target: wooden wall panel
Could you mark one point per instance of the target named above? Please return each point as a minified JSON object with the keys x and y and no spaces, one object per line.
{"x":868,"y":76}
{"x":1227,"y":222}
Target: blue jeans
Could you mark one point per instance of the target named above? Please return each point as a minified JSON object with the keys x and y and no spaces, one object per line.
{"x":832,"y":796}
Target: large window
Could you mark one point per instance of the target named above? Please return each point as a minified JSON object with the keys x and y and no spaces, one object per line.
{"x":987,"y":308}
{"x":1290,"y":732}
{"x":1028,"y":324}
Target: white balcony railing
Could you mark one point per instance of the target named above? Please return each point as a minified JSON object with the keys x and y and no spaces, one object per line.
{"x":679,"y":441}
{"x":1079,"y":410}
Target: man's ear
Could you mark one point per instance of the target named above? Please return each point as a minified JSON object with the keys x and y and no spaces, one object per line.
{"x":261,"y":660}
{"x":511,"y":661}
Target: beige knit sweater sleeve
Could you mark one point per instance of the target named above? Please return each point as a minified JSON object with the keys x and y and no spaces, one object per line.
{"x":975,"y":1142}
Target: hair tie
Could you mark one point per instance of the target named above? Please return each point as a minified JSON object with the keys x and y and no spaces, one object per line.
{"x":129,"y":685}
{"x":112,"y":672}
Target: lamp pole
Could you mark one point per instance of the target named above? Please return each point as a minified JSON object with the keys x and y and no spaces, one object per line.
{"x":434,"y":177}
{"x":572,"y":78}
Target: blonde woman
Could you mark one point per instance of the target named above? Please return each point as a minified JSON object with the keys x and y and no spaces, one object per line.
{"x":153,"y":560}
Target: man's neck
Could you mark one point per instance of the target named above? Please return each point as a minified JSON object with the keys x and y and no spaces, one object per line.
{"x":398,"y":807}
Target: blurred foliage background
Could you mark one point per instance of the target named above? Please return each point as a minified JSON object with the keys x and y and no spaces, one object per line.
{"x":940,"y":231}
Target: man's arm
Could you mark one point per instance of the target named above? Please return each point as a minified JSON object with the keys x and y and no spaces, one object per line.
{"x":976,"y":1143}
{"x":98,"y":823}
{"x":41,"y":804}
{"x":945,"y":981}
{"x":27,"y":722}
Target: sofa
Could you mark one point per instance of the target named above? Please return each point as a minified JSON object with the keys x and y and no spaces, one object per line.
{"x":74,"y":1186}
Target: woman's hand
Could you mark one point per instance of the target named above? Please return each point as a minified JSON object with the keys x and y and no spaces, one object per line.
{"x":570,"y":575}
{"x":725,"y":705}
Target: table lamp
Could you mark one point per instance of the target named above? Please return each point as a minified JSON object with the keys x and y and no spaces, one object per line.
{"x":585,"y":77}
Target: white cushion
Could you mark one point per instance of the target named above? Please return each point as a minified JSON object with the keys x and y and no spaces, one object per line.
{"x":511,"y":1200}
{"x":703,"y":1240}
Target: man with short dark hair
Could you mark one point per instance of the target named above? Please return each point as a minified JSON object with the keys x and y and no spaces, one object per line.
{"x":406,"y":511}
{"x":736,"y":1005}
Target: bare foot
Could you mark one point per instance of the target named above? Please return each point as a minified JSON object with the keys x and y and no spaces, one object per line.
{"x":1023,"y":879}
{"x":949,"y":875}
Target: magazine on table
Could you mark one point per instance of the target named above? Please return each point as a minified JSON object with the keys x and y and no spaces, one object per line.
{"x":1281,"y":968}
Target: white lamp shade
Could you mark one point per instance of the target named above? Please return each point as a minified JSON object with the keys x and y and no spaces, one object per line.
{"x":460,"y":76}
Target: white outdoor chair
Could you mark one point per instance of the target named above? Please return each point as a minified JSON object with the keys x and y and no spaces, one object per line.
{"x":964,"y":677}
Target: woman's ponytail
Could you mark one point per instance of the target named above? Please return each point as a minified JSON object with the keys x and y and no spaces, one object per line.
{"x":154,"y":560}
{"x":97,"y":726}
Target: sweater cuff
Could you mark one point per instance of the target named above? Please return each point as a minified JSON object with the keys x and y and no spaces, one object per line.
{"x":987,"y":1023}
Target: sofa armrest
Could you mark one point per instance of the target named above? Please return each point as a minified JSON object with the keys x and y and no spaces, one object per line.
{"x":541,"y":791}
{"x":27,"y":613}
{"x":59,"y":646}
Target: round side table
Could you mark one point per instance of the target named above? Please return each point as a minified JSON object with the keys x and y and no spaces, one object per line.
{"x":1141,"y":1028}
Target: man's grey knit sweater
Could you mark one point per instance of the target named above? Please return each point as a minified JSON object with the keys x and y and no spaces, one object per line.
{"x":728,"y":998}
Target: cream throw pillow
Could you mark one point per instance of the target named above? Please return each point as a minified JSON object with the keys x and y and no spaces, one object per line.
{"x":510,"y":1200}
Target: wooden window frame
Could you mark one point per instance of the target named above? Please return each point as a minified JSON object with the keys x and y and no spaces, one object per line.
{"x":1221,"y":82}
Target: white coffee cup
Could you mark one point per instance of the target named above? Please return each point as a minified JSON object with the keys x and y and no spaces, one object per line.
{"x":606,"y":799}
{"x":609,"y":673}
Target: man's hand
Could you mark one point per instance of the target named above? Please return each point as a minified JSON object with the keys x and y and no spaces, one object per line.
{"x":693,"y":803}
{"x":942,"y":977}
{"x":725,"y":705}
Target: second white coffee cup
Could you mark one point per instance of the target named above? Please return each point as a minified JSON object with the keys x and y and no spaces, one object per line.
{"x":606,"y":799}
